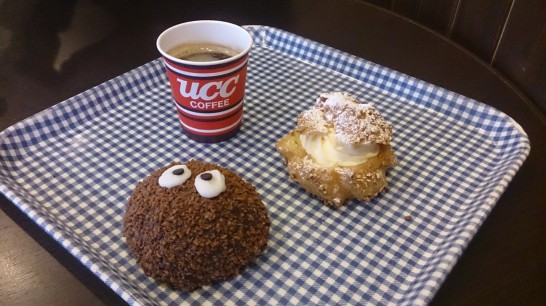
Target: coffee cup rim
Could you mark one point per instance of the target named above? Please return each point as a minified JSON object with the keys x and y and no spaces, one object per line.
{"x":242,"y":53}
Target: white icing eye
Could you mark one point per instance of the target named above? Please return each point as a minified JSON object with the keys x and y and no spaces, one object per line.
{"x":174,"y":176}
{"x":210,"y":184}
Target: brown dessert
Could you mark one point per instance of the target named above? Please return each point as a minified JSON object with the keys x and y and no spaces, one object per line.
{"x":207,"y":224}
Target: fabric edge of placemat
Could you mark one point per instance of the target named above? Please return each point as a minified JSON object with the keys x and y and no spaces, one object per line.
{"x":74,"y":110}
{"x":467,"y":110}
{"x":509,"y":168}
{"x":43,"y":125}
{"x":59,"y":236}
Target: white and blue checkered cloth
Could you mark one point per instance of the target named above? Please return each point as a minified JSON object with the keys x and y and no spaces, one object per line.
{"x":72,"y":167}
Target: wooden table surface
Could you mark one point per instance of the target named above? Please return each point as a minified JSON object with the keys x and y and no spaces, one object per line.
{"x":52,"y":50}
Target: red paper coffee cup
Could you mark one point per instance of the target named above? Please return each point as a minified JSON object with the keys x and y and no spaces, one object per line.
{"x":208,"y":95}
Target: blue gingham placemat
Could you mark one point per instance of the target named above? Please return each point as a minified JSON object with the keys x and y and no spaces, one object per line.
{"x":72,"y":167}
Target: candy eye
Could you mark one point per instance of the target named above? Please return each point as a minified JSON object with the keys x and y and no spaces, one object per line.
{"x":210,"y":184}
{"x":174,"y":176}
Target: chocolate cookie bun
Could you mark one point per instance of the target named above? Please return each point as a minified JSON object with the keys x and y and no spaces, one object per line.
{"x":191,"y":224}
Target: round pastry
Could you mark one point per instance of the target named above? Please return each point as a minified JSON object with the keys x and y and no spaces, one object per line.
{"x":339,"y":150}
{"x":191,"y":224}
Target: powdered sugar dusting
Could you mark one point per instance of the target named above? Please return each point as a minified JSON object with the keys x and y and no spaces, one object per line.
{"x":312,"y":121}
{"x":352,"y":122}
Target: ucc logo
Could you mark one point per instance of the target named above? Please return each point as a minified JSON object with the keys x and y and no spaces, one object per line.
{"x":208,"y":91}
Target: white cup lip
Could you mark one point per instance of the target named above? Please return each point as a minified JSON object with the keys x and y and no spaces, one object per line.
{"x":242,"y":53}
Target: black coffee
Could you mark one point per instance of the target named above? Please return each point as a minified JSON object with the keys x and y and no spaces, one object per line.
{"x":202,"y":52}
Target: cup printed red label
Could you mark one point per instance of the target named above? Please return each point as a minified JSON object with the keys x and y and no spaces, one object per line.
{"x":209,"y":99}
{"x":205,"y":95}
{"x":208,"y":91}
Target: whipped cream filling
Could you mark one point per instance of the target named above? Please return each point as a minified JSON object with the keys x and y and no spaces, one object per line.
{"x":328,"y":151}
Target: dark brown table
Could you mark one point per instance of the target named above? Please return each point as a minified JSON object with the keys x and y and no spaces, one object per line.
{"x":52,"y":50}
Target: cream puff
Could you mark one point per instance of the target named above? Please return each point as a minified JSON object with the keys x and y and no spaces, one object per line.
{"x":339,"y":150}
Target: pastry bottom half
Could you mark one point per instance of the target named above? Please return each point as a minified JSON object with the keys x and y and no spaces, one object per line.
{"x":335,"y":184}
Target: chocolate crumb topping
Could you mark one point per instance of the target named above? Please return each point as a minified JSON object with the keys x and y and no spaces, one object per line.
{"x":188,"y":241}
